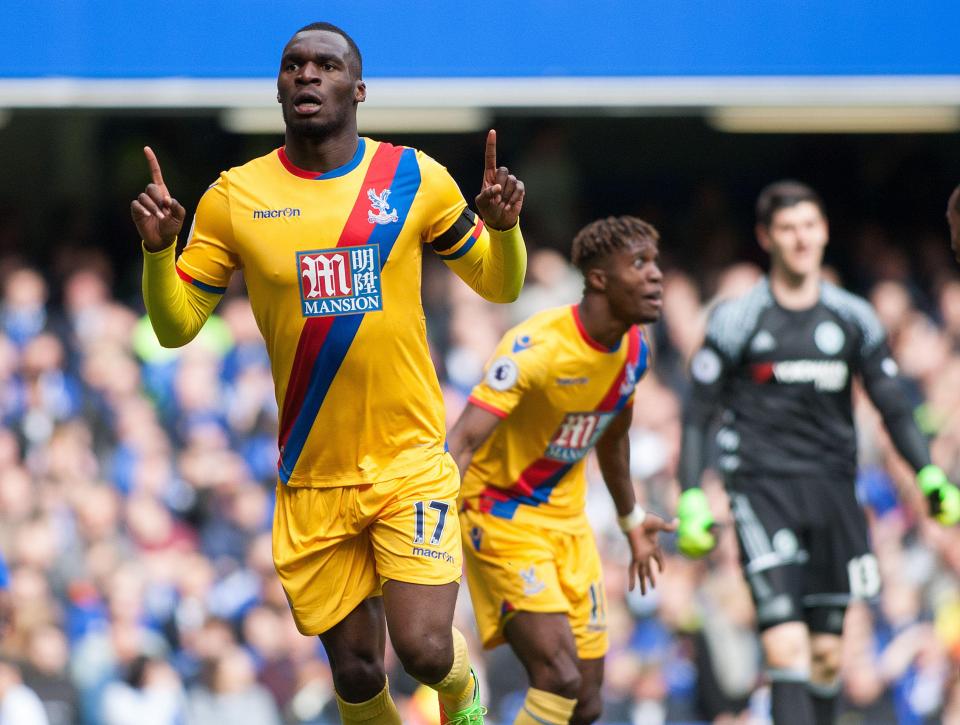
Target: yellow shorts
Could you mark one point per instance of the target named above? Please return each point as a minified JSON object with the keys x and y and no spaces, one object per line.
{"x":334,"y":547}
{"x":525,"y":568}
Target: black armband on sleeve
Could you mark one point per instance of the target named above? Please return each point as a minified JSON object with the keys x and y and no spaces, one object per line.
{"x":457,"y":231}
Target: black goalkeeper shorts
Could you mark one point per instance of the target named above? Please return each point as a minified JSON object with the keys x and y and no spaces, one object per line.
{"x":804,"y":550}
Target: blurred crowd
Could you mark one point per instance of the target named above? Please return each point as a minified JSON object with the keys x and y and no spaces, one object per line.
{"x":136,"y":496}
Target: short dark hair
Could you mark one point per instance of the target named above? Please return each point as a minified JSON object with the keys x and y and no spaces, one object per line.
{"x":605,"y":236}
{"x":783,"y":194}
{"x":331,"y":28}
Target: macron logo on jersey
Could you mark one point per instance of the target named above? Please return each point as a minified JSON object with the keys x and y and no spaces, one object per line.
{"x":521,"y":343}
{"x":276,"y":213}
{"x":340,"y":281}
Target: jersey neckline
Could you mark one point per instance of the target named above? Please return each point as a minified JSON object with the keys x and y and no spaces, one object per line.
{"x":575,"y":311}
{"x":333,"y":173}
{"x":795,"y":311}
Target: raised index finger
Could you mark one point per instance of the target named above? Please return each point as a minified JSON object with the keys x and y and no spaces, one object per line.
{"x":490,"y":154}
{"x":155,"y":175}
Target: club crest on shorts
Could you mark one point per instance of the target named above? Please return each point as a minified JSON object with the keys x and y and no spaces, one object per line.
{"x":531,"y":584}
{"x":340,"y":281}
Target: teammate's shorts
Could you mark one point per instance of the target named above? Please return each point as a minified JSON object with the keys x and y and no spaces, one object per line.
{"x":804,"y":550}
{"x":524,"y":568}
{"x":334,"y":547}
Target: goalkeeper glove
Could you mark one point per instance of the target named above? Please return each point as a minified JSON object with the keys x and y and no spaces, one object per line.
{"x":694,"y":535}
{"x":944,"y":497}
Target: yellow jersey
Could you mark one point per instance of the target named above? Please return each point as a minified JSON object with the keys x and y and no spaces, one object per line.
{"x":332,"y":266}
{"x":556,"y":390}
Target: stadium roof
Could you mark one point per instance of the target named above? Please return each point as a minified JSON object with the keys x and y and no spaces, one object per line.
{"x":685,"y":55}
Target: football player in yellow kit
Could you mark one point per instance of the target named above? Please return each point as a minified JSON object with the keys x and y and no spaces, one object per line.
{"x":559,"y":385}
{"x":329,"y":231}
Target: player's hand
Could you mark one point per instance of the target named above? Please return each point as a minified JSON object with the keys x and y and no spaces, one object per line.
{"x":501,"y":193}
{"x":695,"y":534}
{"x":644,"y":550}
{"x":943,"y":496}
{"x":953,"y":219}
{"x":158,"y":216}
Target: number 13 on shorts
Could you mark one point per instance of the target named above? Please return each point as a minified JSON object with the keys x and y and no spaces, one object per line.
{"x":421,"y":508}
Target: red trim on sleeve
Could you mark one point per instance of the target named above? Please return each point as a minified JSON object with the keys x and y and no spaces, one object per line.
{"x":487,"y":407}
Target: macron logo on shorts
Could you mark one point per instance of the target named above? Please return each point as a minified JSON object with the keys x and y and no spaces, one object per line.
{"x":433,"y":554}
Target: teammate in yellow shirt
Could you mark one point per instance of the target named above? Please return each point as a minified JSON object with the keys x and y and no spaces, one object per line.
{"x":329,"y":232}
{"x":558,"y":385}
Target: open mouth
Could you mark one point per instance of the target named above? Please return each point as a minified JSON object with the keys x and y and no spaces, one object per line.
{"x":306,"y":104}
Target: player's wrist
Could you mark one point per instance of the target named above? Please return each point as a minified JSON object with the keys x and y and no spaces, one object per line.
{"x":507,"y":231}
{"x":632,"y":520}
{"x":163,"y":245}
